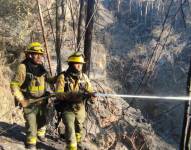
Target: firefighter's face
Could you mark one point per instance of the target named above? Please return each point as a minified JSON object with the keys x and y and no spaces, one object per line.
{"x":78,"y":66}
{"x":38,"y":58}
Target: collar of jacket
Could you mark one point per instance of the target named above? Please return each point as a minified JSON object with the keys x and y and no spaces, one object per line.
{"x":36,"y":70}
{"x":73,"y":73}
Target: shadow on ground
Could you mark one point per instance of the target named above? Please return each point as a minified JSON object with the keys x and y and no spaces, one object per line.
{"x":17,"y":133}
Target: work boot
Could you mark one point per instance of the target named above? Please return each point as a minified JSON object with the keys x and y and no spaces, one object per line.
{"x":78,"y":137}
{"x":42,"y":138}
{"x":31,"y":147}
{"x":72,"y":147}
{"x":30,"y":143}
{"x":41,"y":134}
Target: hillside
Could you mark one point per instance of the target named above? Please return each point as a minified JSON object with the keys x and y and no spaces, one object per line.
{"x":133,"y":52}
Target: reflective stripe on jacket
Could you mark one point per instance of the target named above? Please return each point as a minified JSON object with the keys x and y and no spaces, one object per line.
{"x":35,"y":86}
{"x":66,"y":84}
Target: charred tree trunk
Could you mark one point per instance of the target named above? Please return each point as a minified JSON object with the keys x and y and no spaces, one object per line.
{"x":186,"y":129}
{"x":59,"y":25}
{"x":81,"y":16}
{"x":88,"y":34}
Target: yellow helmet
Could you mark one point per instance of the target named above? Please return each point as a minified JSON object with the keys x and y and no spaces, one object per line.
{"x":76,"y":57}
{"x":35,"y":47}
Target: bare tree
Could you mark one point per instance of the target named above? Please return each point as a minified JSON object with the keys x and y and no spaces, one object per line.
{"x":88,"y":34}
{"x":81,"y":16}
{"x":186,"y":129}
{"x":60,"y":17}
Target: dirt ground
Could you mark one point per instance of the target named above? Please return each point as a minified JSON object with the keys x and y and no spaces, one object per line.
{"x":12,"y":137}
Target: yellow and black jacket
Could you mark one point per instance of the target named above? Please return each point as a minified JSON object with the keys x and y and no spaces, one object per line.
{"x":29,"y":81}
{"x":70,"y":89}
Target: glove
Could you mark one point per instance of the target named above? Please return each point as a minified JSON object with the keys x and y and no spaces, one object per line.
{"x":24,"y":103}
{"x":91,"y":96}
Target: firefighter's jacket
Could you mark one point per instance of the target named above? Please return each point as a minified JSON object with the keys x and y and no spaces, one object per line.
{"x":29,"y":81}
{"x":71,"y":91}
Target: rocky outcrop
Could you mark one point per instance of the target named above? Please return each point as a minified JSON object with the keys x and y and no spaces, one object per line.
{"x":113,"y":124}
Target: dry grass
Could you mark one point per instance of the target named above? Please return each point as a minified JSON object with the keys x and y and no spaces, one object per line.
{"x":6,"y":102}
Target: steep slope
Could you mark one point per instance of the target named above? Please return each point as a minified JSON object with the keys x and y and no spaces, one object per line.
{"x":139,"y":63}
{"x":117,"y":63}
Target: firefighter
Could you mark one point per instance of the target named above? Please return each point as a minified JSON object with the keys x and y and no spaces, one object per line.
{"x":71,"y":87}
{"x":30,"y":82}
